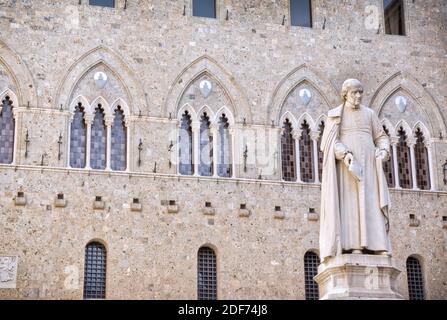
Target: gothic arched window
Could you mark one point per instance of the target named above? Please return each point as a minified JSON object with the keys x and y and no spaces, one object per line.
{"x":119,"y":140}
{"x":185,"y":145}
{"x":421,"y":161}
{"x":320,"y":153}
{"x":415,"y":279}
{"x":95,"y":271}
{"x":404,"y":160}
{"x":224,"y":146}
{"x":7,"y":126}
{"x":206,"y":274}
{"x":288,"y":151}
{"x":306,"y":154}
{"x":78,"y":138}
{"x":311,"y":262}
{"x":206,"y":147}
{"x":388,"y":166}
{"x":98,"y":143}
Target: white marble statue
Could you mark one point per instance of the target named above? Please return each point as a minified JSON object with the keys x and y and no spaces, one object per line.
{"x":354,"y":198}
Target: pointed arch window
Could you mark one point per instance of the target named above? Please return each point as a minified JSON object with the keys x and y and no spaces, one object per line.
{"x":306,"y":154}
{"x":388,"y":166}
{"x":206,"y":149}
{"x":206,"y":274}
{"x":421,"y":161}
{"x":7,"y":127}
{"x":224,"y":146}
{"x":186,"y":166}
{"x":311,"y":262}
{"x":320,"y":153}
{"x":98,"y":144}
{"x":78,"y":138}
{"x":404,"y":160}
{"x":119,"y":139}
{"x":415,"y":279}
{"x":95,"y":271}
{"x":288,"y":153}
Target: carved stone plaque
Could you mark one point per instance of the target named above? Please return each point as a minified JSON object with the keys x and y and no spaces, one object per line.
{"x":8,"y":272}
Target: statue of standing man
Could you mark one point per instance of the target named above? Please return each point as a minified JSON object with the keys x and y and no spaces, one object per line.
{"x":354,"y":198}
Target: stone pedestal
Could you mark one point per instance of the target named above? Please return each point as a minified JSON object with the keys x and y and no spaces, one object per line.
{"x":358,"y":276}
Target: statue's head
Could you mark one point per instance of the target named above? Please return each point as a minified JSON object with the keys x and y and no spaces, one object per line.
{"x":352,"y":92}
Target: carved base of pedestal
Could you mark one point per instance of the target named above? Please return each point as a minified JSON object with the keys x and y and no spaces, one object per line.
{"x":358,"y":276}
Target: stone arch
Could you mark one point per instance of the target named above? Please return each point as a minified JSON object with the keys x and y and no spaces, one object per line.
{"x":12,"y":96}
{"x":291,"y":117}
{"x":22,"y":82}
{"x":104,"y":104}
{"x":299,"y":75}
{"x":406,"y":127}
{"x":424,"y":129}
{"x":425,"y":102}
{"x":228,"y":114}
{"x":310,"y":121}
{"x":101,"y":56}
{"x":207,"y":109}
{"x":389,"y":126}
{"x":205,"y":65}
{"x":120,"y":102}
{"x":192,"y":113}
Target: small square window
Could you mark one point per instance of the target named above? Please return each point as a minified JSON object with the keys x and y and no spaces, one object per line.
{"x":204,"y":8}
{"x":394,"y":17}
{"x":102,"y":3}
{"x":301,"y":13}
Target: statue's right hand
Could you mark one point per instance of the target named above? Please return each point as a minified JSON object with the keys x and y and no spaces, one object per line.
{"x":348,"y":159}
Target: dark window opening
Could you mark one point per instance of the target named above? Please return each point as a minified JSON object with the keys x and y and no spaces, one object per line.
{"x":404,"y":161}
{"x":204,"y":8}
{"x":421,"y":161}
{"x":388,"y":166}
{"x":206,"y":274}
{"x":301,"y":13}
{"x":415,"y":279}
{"x":78,"y":138}
{"x":311,"y":262}
{"x":394,"y":17}
{"x":288,"y":158}
{"x":306,"y":154}
{"x":102,"y":3}
{"x":95,"y":271}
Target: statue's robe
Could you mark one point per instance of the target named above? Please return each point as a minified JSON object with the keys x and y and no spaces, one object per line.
{"x":354,"y":214}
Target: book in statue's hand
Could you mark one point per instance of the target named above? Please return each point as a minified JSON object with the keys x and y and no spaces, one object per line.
{"x":356,"y":170}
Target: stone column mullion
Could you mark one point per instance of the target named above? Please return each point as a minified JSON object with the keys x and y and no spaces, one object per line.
{"x":394,"y":143}
{"x":215,"y":133}
{"x":68,"y":144}
{"x":315,"y":135}
{"x":196,"y":146}
{"x":296,"y":134}
{"x":412,"y":144}
{"x":430,"y":167}
{"x":15,"y":115}
{"x":127,"y":125}
{"x":108,"y":121}
{"x":232,"y":150}
{"x":88,"y":123}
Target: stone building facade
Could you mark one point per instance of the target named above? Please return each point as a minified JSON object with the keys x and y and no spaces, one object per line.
{"x":233,"y":82}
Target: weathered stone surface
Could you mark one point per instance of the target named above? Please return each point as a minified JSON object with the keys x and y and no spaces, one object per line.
{"x":155,"y":58}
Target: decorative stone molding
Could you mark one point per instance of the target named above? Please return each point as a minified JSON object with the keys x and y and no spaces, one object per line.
{"x":205,"y":65}
{"x":279,"y":214}
{"x":413,"y":221}
{"x":8,"y":272}
{"x":301,"y":74}
{"x":20,"y":199}
{"x":136,"y":205}
{"x":59,"y":201}
{"x":358,"y":277}
{"x":243,"y":211}
{"x":98,"y":203}
{"x":425,"y":102}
